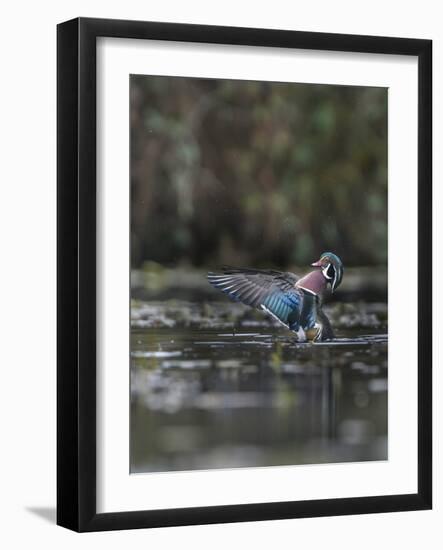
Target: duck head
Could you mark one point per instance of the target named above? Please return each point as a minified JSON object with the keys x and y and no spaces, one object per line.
{"x":332,"y":269}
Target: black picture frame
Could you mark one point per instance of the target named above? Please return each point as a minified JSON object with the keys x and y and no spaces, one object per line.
{"x":76,"y":266}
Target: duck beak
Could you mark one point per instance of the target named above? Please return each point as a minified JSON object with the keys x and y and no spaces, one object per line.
{"x":316,"y":264}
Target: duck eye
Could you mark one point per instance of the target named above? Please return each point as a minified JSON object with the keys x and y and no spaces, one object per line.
{"x":330,"y":272}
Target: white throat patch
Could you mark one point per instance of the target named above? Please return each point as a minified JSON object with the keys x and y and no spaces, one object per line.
{"x":325,"y":272}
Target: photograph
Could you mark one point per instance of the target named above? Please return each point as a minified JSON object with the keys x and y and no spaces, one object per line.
{"x":259,"y":257}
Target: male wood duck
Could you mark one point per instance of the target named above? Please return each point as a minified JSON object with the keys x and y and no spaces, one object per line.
{"x":295,"y":302}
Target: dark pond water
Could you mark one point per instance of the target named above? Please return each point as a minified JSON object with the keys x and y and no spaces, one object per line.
{"x":220,"y":386}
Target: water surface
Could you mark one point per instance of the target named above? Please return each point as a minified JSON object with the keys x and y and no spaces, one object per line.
{"x":220,"y":386}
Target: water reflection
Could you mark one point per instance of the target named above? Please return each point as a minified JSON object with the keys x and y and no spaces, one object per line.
{"x":218,"y":398}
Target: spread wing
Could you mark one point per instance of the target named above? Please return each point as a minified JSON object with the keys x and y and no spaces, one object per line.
{"x":271,"y":291}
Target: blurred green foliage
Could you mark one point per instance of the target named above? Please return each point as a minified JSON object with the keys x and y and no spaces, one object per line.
{"x":256,"y":173}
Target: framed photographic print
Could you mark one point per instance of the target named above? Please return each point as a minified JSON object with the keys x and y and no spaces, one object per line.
{"x":244,"y":274}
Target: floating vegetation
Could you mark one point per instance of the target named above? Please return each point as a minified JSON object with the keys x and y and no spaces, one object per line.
{"x":237,"y":317}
